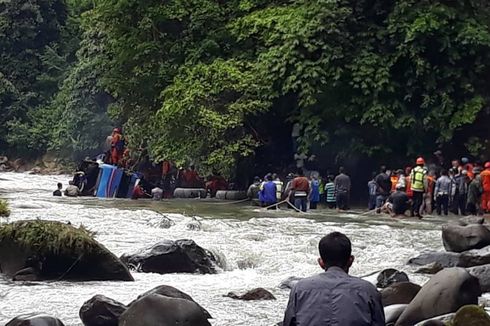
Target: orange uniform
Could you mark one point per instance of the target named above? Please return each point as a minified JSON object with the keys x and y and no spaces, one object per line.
{"x":485,"y":198}
{"x":115,"y":153}
{"x":394,"y":181}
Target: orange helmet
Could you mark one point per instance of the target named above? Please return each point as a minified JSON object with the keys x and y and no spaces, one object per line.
{"x":487,"y":165}
{"x":420,"y":161}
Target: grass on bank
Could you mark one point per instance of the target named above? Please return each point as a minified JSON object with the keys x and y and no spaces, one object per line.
{"x":4,"y":208}
{"x":49,"y":237}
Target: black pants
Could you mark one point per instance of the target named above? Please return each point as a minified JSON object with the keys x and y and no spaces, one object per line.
{"x":343,"y":201}
{"x":331,"y":205}
{"x":442,"y":204}
{"x":471,"y":209}
{"x":313,"y":204}
{"x":418,"y":199}
{"x":462,"y":203}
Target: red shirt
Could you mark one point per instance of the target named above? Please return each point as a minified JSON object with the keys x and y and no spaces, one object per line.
{"x":300,"y":184}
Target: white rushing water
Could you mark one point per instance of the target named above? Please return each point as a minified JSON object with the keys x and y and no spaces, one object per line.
{"x":268,"y":246}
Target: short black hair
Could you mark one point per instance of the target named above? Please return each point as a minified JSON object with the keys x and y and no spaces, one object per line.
{"x":335,"y":249}
{"x":300,"y":172}
{"x":60,"y":185}
{"x":443,"y":172}
{"x":383,"y":168}
{"x":341,"y":169}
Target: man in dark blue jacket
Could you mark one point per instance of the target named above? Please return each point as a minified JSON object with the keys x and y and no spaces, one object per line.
{"x":268,"y":192}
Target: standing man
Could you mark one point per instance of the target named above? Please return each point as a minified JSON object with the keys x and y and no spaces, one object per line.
{"x":372,"y":188}
{"x":315,"y":191}
{"x":330,"y":193}
{"x":383,"y":187}
{"x":485,"y":181}
{"x":300,"y":189}
{"x":442,"y":192}
{"x":268,"y":192}
{"x":475,"y":191}
{"x":334,"y":297}
{"x":418,"y":181}
{"x":117,"y":146}
{"x":279,"y":186}
{"x":342,"y":190}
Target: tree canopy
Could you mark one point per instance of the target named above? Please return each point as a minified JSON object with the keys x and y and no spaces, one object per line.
{"x":215,"y":82}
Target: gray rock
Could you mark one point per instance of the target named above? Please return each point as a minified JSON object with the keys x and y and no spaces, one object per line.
{"x":34,"y":320}
{"x":467,"y":220}
{"x":444,"y":259}
{"x":462,"y":238}
{"x":171,"y":292}
{"x":154,"y":309}
{"x":431,"y":268}
{"x":390,"y":276}
{"x":446,"y":292}
{"x":181,"y":256}
{"x":437,"y":321}
{"x":475,"y":257}
{"x":255,"y":294}
{"x":482,"y":273}
{"x":399,"y":293}
{"x":101,"y":311}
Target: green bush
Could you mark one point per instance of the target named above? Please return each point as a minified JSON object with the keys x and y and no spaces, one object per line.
{"x":4,"y":208}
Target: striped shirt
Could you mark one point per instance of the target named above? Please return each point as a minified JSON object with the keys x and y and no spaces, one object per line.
{"x":330,"y":190}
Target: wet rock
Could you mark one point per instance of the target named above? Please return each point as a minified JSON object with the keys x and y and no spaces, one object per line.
{"x":393,"y":312}
{"x":35,"y":320}
{"x":399,"y":293}
{"x":468,"y":220}
{"x":431,"y":268}
{"x":444,"y":259}
{"x":390,"y":276}
{"x":289,"y":282}
{"x":49,"y":250}
{"x":446,"y":292}
{"x":442,"y":320}
{"x":482,"y":273}
{"x":171,"y":292}
{"x":255,"y":294}
{"x":194,"y":225}
{"x":246,"y":264}
{"x":471,"y":315}
{"x":458,"y":238}
{"x":475,"y":257}
{"x":181,"y":256}
{"x":101,"y":311}
{"x":154,"y":309}
{"x":166,"y":223}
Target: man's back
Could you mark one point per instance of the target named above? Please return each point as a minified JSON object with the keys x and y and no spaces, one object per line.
{"x":334,"y":298}
{"x":383,"y":183}
{"x":342,"y":183}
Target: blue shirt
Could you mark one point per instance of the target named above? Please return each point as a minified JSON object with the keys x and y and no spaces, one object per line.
{"x":315,"y":191}
{"x":334,"y":298}
{"x":268,"y":193}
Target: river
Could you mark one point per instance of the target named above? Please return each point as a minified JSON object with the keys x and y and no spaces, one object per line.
{"x":261,"y":248}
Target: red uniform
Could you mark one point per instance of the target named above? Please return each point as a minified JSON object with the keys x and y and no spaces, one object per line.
{"x":485,"y":198}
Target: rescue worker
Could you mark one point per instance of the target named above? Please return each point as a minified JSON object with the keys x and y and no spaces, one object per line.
{"x":442,"y":193}
{"x":475,"y":191}
{"x":418,"y":182}
{"x":117,"y":146}
{"x":394,"y":180}
{"x":300,"y":189}
{"x":427,"y":204}
{"x":279,"y":186}
{"x":485,"y":181}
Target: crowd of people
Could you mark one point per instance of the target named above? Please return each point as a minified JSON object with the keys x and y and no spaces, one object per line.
{"x":462,"y":189}
{"x":302,"y":192}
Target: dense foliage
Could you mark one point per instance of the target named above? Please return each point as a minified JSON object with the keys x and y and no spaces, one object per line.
{"x":214,"y":82}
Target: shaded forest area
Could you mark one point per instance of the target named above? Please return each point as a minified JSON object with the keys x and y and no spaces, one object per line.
{"x":221,"y":83}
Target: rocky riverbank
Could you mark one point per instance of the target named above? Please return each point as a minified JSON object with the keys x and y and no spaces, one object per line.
{"x":48,"y":164}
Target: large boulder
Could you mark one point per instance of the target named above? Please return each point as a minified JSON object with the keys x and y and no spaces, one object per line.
{"x":49,"y":250}
{"x":181,"y":256}
{"x":471,"y":315}
{"x":390,"y":276}
{"x":482,"y":273}
{"x":171,"y":292}
{"x":255,"y":294}
{"x":458,"y":238}
{"x":468,"y":220}
{"x":34,"y":320}
{"x":470,"y":258}
{"x":101,"y":311}
{"x":399,"y":293}
{"x":444,"y":259}
{"x":446,"y":292}
{"x":154,"y":309}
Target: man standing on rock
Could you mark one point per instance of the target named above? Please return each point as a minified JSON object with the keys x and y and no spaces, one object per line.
{"x":334,"y":298}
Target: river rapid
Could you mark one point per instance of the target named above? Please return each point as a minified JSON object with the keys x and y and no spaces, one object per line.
{"x":259,"y":248}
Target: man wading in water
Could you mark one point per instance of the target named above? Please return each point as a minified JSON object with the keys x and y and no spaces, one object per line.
{"x":334,"y":298}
